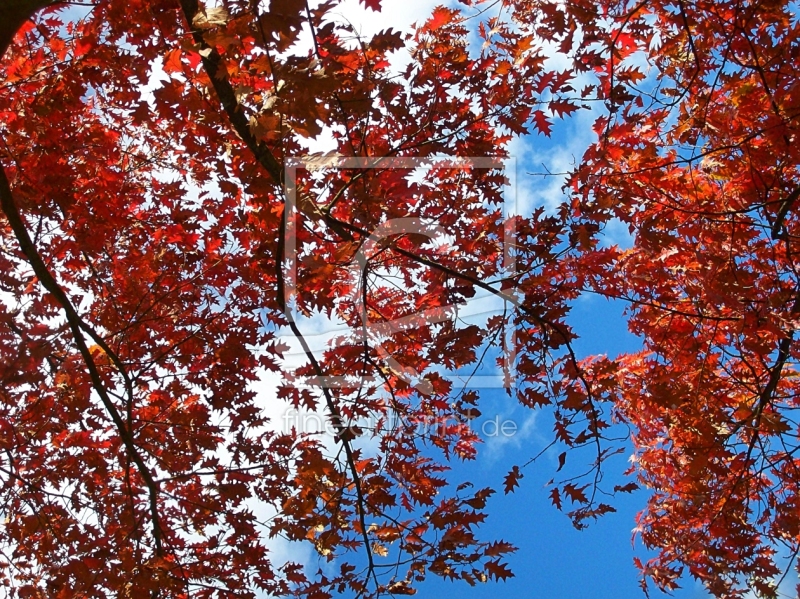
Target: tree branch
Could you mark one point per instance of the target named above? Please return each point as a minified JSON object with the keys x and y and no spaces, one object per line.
{"x":76,"y":325}
{"x":13,"y":13}
{"x":212,"y":63}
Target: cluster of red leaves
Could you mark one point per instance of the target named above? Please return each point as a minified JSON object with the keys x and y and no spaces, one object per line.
{"x":699,"y":158}
{"x":154,"y":247}
{"x":145,"y":277}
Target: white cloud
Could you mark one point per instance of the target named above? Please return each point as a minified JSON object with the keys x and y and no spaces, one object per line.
{"x":544,"y":163}
{"x":394,"y":14}
{"x":504,"y":432}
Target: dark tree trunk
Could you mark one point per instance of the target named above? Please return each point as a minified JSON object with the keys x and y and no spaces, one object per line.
{"x":13,"y":13}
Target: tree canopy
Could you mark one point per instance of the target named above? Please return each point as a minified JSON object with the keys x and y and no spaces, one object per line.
{"x":157,"y":248}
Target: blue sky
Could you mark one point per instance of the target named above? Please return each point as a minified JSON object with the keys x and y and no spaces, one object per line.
{"x":555,"y":559}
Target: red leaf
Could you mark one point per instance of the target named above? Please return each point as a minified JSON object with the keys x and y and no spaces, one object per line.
{"x":498,"y":571}
{"x":499,"y":548}
{"x":555,"y":497}
{"x":562,"y":458}
{"x":576,"y":494}
{"x":541,"y":122}
{"x":387,"y":41}
{"x":562,"y":107}
{"x":627,"y":488}
{"x":512,"y":480}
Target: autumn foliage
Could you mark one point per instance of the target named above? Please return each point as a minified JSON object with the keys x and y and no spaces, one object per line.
{"x":157,"y":250}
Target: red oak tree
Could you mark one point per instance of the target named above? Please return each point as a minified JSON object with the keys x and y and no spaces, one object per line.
{"x":157,"y":250}
{"x":699,"y":157}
